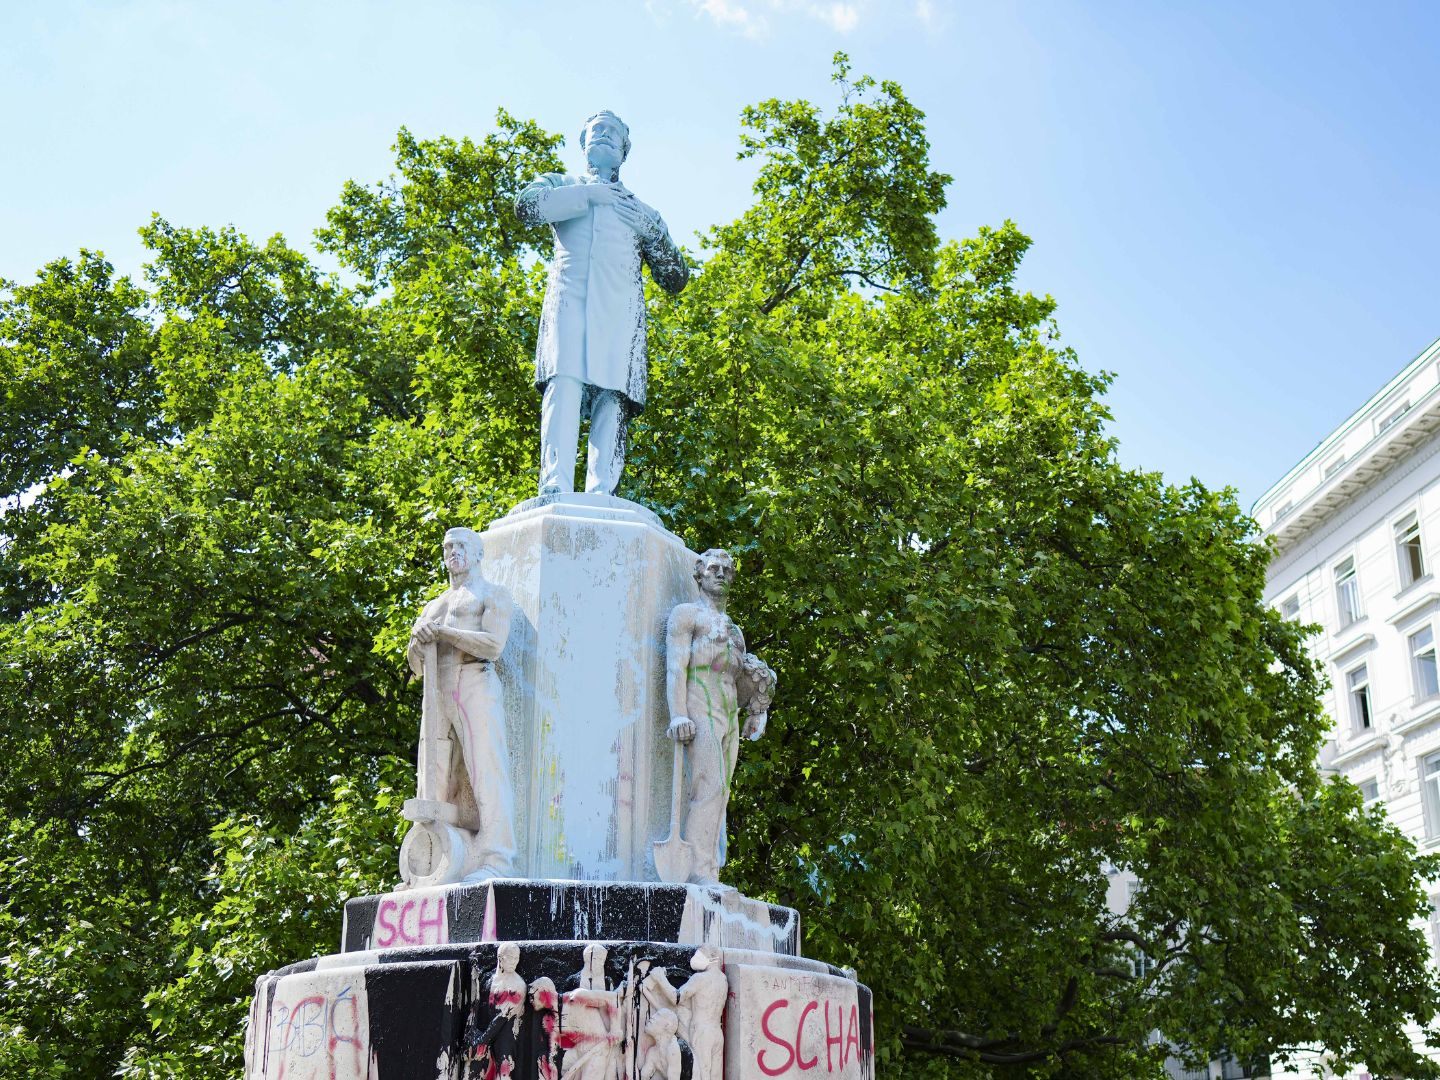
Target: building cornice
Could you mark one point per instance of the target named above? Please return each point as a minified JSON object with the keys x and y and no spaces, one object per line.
{"x":1362,"y":500}
{"x":1303,"y":497}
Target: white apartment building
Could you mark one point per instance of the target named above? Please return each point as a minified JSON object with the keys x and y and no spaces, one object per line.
{"x":1356,"y":529}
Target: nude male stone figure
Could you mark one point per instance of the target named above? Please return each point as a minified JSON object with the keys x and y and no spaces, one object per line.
{"x":700,"y":1005}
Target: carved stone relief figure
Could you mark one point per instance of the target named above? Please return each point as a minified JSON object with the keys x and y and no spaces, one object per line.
{"x":590,"y":358}
{"x":589,"y":1023}
{"x":709,"y":679}
{"x":700,"y":1006}
{"x":646,"y":989}
{"x":464,"y":763}
{"x":493,"y":1053}
{"x":662,"y":1059}
{"x":542,"y":1028}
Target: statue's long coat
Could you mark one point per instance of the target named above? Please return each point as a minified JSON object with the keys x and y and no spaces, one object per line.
{"x":592,"y":326}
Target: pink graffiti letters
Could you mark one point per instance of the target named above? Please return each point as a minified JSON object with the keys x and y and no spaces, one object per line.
{"x":841,"y":1039}
{"x":410,"y":922}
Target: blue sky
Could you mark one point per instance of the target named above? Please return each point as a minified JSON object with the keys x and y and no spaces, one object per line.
{"x":1237,"y":206}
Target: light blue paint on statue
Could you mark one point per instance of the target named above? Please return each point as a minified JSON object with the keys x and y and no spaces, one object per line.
{"x":590,"y":360}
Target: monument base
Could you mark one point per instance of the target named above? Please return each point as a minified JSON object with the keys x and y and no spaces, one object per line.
{"x":410,"y":995}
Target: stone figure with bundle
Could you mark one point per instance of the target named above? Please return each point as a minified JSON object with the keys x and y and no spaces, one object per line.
{"x":710,"y":679}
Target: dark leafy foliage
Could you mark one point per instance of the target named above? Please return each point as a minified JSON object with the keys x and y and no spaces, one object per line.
{"x":1008,"y":663}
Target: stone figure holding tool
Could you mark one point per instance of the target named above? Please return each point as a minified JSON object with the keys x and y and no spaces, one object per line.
{"x":464,"y":805}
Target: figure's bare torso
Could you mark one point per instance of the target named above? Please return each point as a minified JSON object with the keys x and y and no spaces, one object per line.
{"x":463,"y":608}
{"x":716,"y":648}
{"x":587,"y":1012}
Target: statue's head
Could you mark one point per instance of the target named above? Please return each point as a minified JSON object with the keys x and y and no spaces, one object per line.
{"x":463,"y":548}
{"x":543,"y":996}
{"x":507,"y":957}
{"x":705,"y":958}
{"x":662,"y":1024}
{"x":714,"y":571}
{"x":605,"y":141}
{"x":593,"y":976}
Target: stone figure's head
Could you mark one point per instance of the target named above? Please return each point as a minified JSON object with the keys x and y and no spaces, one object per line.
{"x":593,"y":975}
{"x":507,"y":957}
{"x":463,"y":548}
{"x":705,"y":958}
{"x":543,"y":997}
{"x":605,"y":141}
{"x":714,"y":571}
{"x":663,"y":1024}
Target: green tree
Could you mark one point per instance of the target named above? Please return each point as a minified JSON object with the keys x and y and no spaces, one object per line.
{"x":1008,"y":663}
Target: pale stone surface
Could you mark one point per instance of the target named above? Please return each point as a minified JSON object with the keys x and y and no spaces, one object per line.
{"x":662,"y":1058}
{"x":710,"y":678}
{"x":729,"y":919}
{"x":317,"y":1028}
{"x":592,"y":579}
{"x":789,"y":1023}
{"x":590,"y":357}
{"x":590,"y":1024}
{"x":464,"y":805}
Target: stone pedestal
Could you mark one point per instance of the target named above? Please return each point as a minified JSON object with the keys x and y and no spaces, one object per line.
{"x":593,"y":579}
{"x":408,"y":993}
{"x":599,"y":971}
{"x":516,"y":909}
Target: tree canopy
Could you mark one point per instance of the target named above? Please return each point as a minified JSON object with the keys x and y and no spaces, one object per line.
{"x":1010,"y":665}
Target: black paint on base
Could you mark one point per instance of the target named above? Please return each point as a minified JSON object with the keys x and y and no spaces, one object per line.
{"x":411,"y":1022}
{"x":563,"y":911}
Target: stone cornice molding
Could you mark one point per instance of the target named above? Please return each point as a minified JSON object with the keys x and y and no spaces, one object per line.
{"x":1317,"y":507}
{"x":1285,"y":559}
{"x":1412,"y":386}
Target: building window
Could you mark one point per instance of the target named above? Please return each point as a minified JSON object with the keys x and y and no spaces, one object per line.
{"x":1290,"y":606}
{"x":1369,"y":790}
{"x":1390,"y":419}
{"x":1430,"y":793}
{"x":1357,"y":684}
{"x":1334,"y":466}
{"x":1435,"y":924}
{"x":1407,"y":547}
{"x":1422,"y":663}
{"x":1283,"y":509}
{"x":1347,"y":592}
{"x":1140,"y":963}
